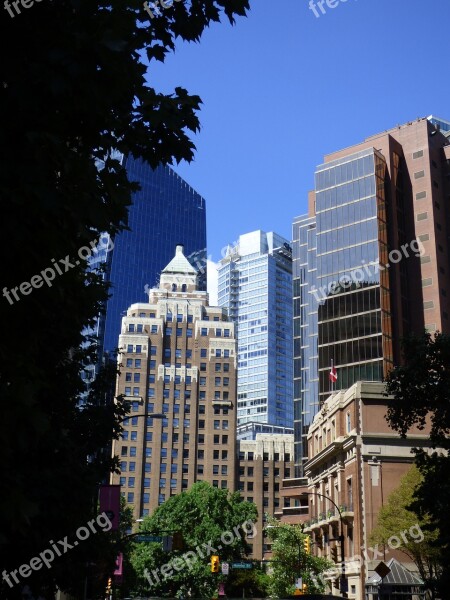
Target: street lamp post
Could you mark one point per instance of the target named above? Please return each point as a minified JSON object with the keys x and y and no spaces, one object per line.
{"x":139,"y":400}
{"x":148,"y":415}
{"x":343,"y":580}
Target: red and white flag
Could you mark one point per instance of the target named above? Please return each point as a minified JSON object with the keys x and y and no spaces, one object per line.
{"x":333,"y":374}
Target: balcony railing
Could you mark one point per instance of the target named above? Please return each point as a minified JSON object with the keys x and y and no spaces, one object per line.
{"x":347,"y":510}
{"x":329,"y":515}
{"x":295,"y":510}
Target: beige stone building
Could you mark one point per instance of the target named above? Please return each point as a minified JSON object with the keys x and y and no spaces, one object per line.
{"x":178,"y":359}
{"x":354,"y":461}
{"x":263,"y":463}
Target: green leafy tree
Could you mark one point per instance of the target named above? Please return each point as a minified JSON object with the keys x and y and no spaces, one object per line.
{"x":211,"y":522}
{"x":253,"y":582}
{"x":420,"y":390}
{"x":290,"y":561}
{"x":396,"y":517}
{"x":73,"y":92}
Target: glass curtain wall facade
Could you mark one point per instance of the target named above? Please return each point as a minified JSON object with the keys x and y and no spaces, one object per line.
{"x":165,"y":212}
{"x":255,"y":283}
{"x":443,"y":124}
{"x":342,"y":299}
{"x":354,"y":313}
{"x":306,"y":376}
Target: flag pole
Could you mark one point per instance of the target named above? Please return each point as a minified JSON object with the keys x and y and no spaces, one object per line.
{"x":331,"y":379}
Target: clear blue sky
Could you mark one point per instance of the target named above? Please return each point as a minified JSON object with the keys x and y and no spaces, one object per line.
{"x":283,"y":87}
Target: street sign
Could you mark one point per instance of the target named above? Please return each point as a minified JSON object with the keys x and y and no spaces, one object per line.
{"x":382,"y":569}
{"x":147,"y":538}
{"x":241,"y":565}
{"x":299,"y":583}
{"x":225,"y":568}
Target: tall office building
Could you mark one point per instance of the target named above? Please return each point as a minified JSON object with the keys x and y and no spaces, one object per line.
{"x":165,"y":211}
{"x":371,"y":262}
{"x":178,"y":360}
{"x":255,"y":285}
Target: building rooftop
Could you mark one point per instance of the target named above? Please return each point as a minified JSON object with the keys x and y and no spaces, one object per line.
{"x":179,"y":263}
{"x":399,"y":575}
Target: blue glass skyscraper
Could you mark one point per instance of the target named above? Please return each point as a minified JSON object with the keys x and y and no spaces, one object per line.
{"x":255,"y":283}
{"x":165,"y":212}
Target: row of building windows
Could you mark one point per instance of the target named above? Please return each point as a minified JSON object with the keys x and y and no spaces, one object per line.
{"x":217,"y":366}
{"x":137,"y":363}
{"x":151,"y":393}
{"x":169,"y":319}
{"x":216,"y":469}
{"x":130,"y":496}
{"x":226,"y":332}
{"x":178,"y":354}
{"x":276,"y":456}
{"x":134,"y":348}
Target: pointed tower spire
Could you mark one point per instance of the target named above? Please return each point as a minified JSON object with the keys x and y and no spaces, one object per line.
{"x":179,"y":275}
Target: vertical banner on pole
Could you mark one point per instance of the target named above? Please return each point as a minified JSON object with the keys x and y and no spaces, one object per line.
{"x":110,"y":503}
{"x":118,"y":573}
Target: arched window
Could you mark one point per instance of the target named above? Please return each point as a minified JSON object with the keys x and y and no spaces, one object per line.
{"x":183,"y":287}
{"x":174,"y":287}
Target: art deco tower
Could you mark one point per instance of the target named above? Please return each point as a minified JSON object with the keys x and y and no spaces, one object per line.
{"x":179,"y":359}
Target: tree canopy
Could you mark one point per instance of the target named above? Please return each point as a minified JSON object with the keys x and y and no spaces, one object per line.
{"x":212,"y":521}
{"x":420,"y":390}
{"x":74,"y":91}
{"x":396,"y":517}
{"x":290,"y":561}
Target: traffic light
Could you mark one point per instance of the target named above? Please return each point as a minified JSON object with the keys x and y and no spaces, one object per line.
{"x":307,"y":544}
{"x":304,"y":588}
{"x":334,"y":554}
{"x":109,"y":586}
{"x":214,"y":564}
{"x":177,"y":541}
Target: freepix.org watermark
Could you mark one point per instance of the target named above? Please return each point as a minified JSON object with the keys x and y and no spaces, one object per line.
{"x":61,"y":547}
{"x":355,"y":277}
{"x":154,"y":7}
{"x":59,"y":267}
{"x":17,"y":4}
{"x":189,"y":558}
{"x":319,"y":7}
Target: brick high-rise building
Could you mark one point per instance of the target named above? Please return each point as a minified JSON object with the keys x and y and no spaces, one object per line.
{"x":371,"y":262}
{"x":179,"y":359}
